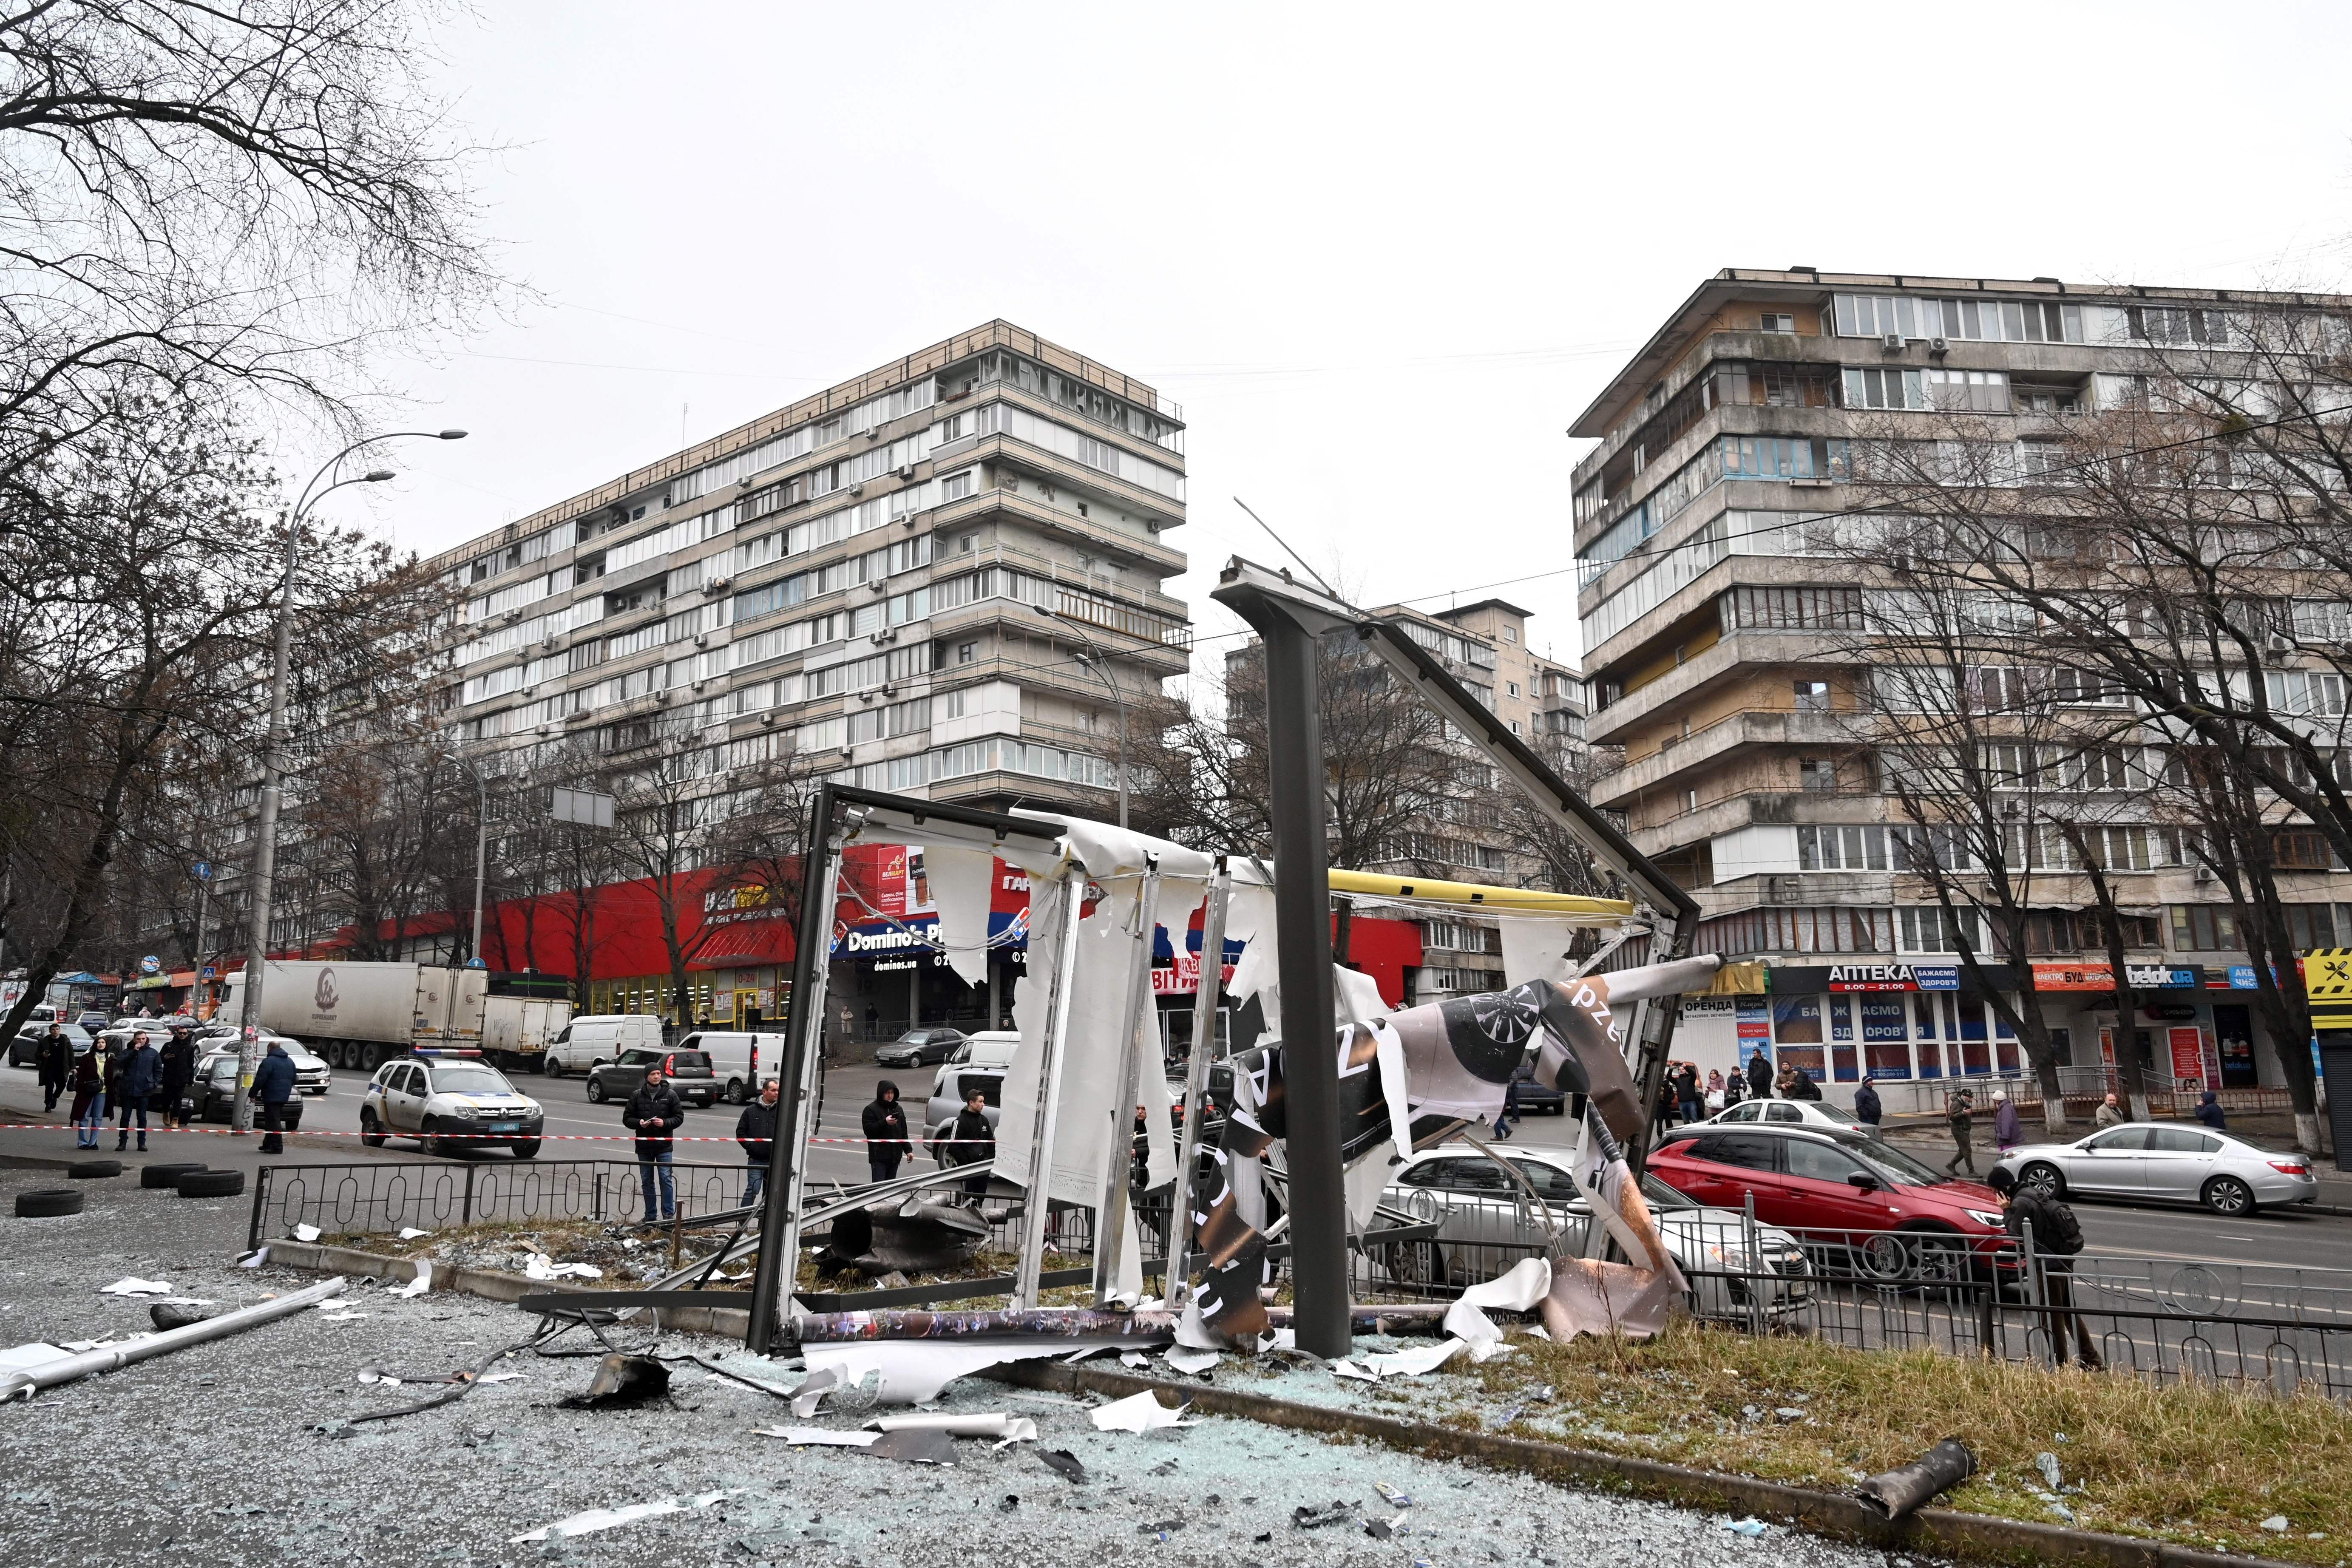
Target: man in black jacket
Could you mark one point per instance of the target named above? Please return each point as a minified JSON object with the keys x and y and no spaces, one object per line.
{"x":755,"y":1130}
{"x":143,"y":1070}
{"x":973,"y":1140}
{"x":54,"y":1056}
{"x":653,"y":1114}
{"x":885,"y":1121}
{"x":179,"y":1071}
{"x":1866,"y":1109}
{"x":1759,"y":1076}
{"x":2056,"y":1238}
{"x":273,"y":1085}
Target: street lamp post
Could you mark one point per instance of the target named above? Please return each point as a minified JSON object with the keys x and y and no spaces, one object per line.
{"x":273,"y":765}
{"x":1093,"y":659}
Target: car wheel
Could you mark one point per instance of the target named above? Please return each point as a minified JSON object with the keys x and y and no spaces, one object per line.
{"x":1883,"y":1256}
{"x":526,"y":1151}
{"x":595,"y":1088}
{"x":735,"y":1095}
{"x":1937,"y":1258}
{"x":549,"y":1066}
{"x":2230,"y":1197}
{"x":2044,"y":1178}
{"x":371,"y":1135}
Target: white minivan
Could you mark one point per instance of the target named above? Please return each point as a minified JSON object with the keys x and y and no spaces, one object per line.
{"x":738,"y":1061}
{"x":599,"y":1038}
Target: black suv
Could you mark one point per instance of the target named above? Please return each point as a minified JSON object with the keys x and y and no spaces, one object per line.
{"x":689,"y":1073}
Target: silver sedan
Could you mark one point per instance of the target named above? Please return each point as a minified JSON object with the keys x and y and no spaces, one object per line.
{"x":2166,"y":1163}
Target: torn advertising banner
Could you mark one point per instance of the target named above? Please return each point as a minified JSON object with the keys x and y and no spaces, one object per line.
{"x":1457,"y":1058}
{"x":1634,"y":1298}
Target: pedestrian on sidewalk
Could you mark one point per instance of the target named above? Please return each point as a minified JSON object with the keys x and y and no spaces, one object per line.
{"x":755,"y":1130}
{"x":1662,"y":1114}
{"x":1688,"y":1099}
{"x":1759,"y":1076}
{"x":2006,"y":1135}
{"x":2057,"y":1237}
{"x":2208,"y":1111}
{"x":88,"y":1097}
{"x":179,"y":1072}
{"x":1714,"y":1100}
{"x":55,"y":1059}
{"x":143,"y":1070}
{"x":1510,"y":1111}
{"x":273,"y":1085}
{"x":1960,"y":1117}
{"x":1735,"y":1087}
{"x":885,"y":1121}
{"x":653,"y":1114}
{"x":2109,"y":1114}
{"x":974,"y":1140}
{"x":1866,"y":1109}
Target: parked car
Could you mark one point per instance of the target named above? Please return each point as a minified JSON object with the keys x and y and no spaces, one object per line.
{"x":689,"y":1073}
{"x":214,"y":1093}
{"x":28,"y":1039}
{"x":949,"y":1091}
{"x":1855,"y":1202}
{"x":448,"y":1100}
{"x":1485,"y":1224}
{"x":93,"y":1019}
{"x":599,"y":1038}
{"x":2167,"y":1165}
{"x":1538,"y":1099}
{"x":919,"y":1048}
{"x":311,"y":1073}
{"x":1799,"y":1112}
{"x":735,"y":1059}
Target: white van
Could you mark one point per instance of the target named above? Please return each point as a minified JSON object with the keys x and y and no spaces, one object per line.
{"x":599,"y":1038}
{"x":986,"y":1054}
{"x":738,"y":1061}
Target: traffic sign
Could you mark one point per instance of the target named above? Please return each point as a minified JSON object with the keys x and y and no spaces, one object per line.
{"x":201,"y":870}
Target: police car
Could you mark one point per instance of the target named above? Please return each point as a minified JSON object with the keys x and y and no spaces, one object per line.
{"x":448,"y":1100}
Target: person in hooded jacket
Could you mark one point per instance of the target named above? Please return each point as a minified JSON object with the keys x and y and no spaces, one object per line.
{"x":179,"y":1072}
{"x":273,"y":1085}
{"x":89,"y":1096}
{"x":141,"y":1072}
{"x":54,"y":1056}
{"x":973,"y":1140}
{"x":2210,"y":1112}
{"x":886,"y":1142}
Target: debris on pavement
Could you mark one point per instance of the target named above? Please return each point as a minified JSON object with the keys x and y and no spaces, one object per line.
{"x":1191,"y":1361}
{"x":595,"y":1518}
{"x":819,"y":1437}
{"x":538,"y":1266}
{"x":2276,"y":1524}
{"x":175,"y":1315}
{"x":1004,"y":1428}
{"x":1137,"y":1413}
{"x":813,"y":1389}
{"x":914,"y":1445}
{"x":1306,"y":1518}
{"x":1895,"y":1493}
{"x":622,"y":1381}
{"x":422,"y":1283}
{"x":2047,"y":1463}
{"x":135,"y":1286}
{"x":1062,"y":1463}
{"x":914,"y":1371}
{"x":306,"y":1232}
{"x":410,"y":1232}
{"x":1750,"y":1526}
{"x":1391,"y":1496}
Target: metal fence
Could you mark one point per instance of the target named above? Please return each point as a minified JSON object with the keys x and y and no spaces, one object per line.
{"x":2081,"y":1089}
{"x":429,"y":1195}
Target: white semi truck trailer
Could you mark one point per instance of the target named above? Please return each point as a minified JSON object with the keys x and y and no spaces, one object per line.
{"x":356,"y":1015}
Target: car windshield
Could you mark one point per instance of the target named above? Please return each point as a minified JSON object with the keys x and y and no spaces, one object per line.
{"x":1838,"y":1113}
{"x":1895,"y":1163}
{"x":468,"y":1080}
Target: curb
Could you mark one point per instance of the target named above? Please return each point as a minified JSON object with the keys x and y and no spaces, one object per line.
{"x":1834,"y":1515}
{"x":491,"y":1284}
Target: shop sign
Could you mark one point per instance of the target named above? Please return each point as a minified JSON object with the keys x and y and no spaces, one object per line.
{"x":1182,"y":978}
{"x":2176,"y":1012}
{"x":1894,"y":977}
{"x":2102,"y":977}
{"x":2188,"y":1059}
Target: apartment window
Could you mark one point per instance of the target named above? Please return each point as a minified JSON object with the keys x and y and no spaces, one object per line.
{"x":1776,"y":321}
{"x":1813,"y":696}
{"x":955,"y":486}
{"x":1841,"y":848}
{"x":966,"y":652}
{"x":1690,"y":799}
{"x":1510,"y":634}
{"x":2203,"y":927}
{"x":965,"y":546}
{"x":955,"y":701}
{"x":1514,"y":726}
{"x":1967,"y":390}
{"x":2159,"y":324}
{"x":2301,"y":850}
{"x":1513,"y":687}
{"x":1792,"y":609}
{"x":1889,"y":388}
{"x":1932,"y":929}
{"x":1817,"y":775}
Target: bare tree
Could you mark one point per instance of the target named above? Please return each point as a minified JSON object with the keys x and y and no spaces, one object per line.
{"x":667,"y":812}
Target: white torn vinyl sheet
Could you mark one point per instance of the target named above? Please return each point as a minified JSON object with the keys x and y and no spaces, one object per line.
{"x":422,"y":1283}
{"x":136,"y":1286}
{"x":1528,"y":1283}
{"x":1191,"y":1361}
{"x":1004,"y":1428}
{"x":818,"y":1437}
{"x":1137,"y":1413}
{"x":1416,"y":1361}
{"x":537,"y":1266}
{"x":342,"y":1317}
{"x":253,"y":1259}
{"x":1133,"y":1359}
{"x":306,"y":1232}
{"x":410,"y":1232}
{"x":1343,"y":1367}
{"x":596,"y":1519}
{"x":914,"y":1371}
{"x":813,"y":1389}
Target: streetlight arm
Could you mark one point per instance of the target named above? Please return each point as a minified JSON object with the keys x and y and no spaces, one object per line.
{"x":303,"y":502}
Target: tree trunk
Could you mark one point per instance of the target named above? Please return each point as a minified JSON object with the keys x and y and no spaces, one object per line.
{"x":81,"y":913}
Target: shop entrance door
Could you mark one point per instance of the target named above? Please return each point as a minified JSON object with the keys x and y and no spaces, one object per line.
{"x":747,"y":1009}
{"x":2233,"y":1035}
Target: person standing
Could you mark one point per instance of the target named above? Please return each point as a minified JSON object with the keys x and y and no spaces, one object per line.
{"x":2208,"y":1111}
{"x":887,"y":1143}
{"x":1735,"y":1087}
{"x":1960,"y":1117}
{"x":653,"y":1114}
{"x":1662,"y":1113}
{"x":143,"y":1070}
{"x":1715,"y":1099}
{"x":755,"y":1130}
{"x":1510,"y":1110}
{"x":1759,"y":1076}
{"x":54,"y":1058}
{"x":2005,"y":1131}
{"x":973,"y":1140}
{"x":89,"y":1096}
{"x":273,"y":1085}
{"x":1801,"y":1086}
{"x":179,"y":1072}
{"x":1688,"y":1099}
{"x":1866,"y":1109}
{"x":2057,"y":1237}
{"x":2109,"y":1114}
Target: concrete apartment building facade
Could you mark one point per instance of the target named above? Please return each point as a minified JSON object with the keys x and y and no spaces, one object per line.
{"x":1723,"y":676}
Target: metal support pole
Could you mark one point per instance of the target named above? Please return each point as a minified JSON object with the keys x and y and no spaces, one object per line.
{"x":1038,"y":1204}
{"x":1669,"y":939}
{"x":265,"y":849}
{"x":481,"y":859}
{"x":1206,"y":1000}
{"x":1310,"y":1066}
{"x":779,"y":1212}
{"x":1111,"y":1214}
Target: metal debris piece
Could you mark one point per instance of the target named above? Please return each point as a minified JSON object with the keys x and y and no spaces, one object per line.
{"x":1137,"y":1413}
{"x":622,"y":1381}
{"x":1895,"y":1493}
{"x":1306,"y":1518}
{"x":2047,"y":1463}
{"x":596,"y":1519}
{"x":1062,"y":1463}
{"x":914,"y":1445}
{"x":1391,"y":1496}
{"x":170,"y":1315}
{"x":1377,"y":1529}
{"x":819,"y":1437}
{"x":27,"y":1380}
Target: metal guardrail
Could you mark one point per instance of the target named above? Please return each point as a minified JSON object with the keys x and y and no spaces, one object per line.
{"x":386,"y":1195}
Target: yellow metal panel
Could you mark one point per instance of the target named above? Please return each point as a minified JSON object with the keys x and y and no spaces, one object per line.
{"x":1476,"y":895}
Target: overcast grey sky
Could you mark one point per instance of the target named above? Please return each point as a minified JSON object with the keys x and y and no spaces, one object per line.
{"x":1382,"y":256}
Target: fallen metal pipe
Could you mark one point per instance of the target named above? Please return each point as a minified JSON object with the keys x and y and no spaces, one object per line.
{"x":1894,"y":1493}
{"x":113,"y":1358}
{"x":1015,"y":1323}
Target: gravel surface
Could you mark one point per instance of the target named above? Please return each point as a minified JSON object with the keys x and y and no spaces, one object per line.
{"x":216,"y":1453}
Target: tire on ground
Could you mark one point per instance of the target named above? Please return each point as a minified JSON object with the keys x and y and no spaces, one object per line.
{"x":164,"y":1175}
{"x":85,"y":1170}
{"x":47,"y":1202}
{"x":212,"y":1184}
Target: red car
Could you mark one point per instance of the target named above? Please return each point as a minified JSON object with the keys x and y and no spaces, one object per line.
{"x":1850,"y":1199}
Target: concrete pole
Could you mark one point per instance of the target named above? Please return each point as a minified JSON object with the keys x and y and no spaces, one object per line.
{"x":265,"y":849}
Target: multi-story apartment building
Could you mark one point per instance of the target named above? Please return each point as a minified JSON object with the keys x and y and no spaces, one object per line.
{"x":1468,"y":837}
{"x":1721,"y":650}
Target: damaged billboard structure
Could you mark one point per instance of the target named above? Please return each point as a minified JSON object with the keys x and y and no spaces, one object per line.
{"x":1332,"y":1086}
